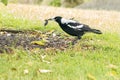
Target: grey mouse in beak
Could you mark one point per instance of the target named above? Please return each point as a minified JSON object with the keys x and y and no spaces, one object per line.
{"x":46,"y":21}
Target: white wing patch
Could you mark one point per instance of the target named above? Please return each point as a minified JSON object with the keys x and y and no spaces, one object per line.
{"x":80,"y":26}
{"x":76,"y":27}
{"x":65,"y":21}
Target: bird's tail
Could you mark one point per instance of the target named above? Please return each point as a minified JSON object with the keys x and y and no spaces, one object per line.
{"x":96,"y":31}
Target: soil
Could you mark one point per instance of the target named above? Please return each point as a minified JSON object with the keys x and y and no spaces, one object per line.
{"x":10,"y":39}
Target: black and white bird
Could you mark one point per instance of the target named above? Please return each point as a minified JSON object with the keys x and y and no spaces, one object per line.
{"x":73,"y":27}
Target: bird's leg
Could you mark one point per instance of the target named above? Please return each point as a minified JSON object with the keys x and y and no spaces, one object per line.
{"x":76,"y":40}
{"x":79,"y":37}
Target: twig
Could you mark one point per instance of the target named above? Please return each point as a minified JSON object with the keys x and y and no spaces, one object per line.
{"x":12,"y":31}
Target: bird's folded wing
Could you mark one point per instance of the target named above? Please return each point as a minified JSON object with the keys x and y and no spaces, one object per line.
{"x":76,"y":26}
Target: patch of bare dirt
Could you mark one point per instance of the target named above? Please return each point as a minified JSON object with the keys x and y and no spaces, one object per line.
{"x":32,"y":39}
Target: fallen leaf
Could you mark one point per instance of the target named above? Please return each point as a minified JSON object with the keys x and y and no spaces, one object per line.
{"x":54,"y":35}
{"x":112,"y":73}
{"x":41,"y":43}
{"x":50,"y":32}
{"x":30,"y":63}
{"x":2,"y":33}
{"x":9,"y":50}
{"x":91,"y":77}
{"x":43,"y":36}
{"x":112,"y":66}
{"x":8,"y":34}
{"x":46,"y":61}
{"x":35,"y":50}
{"x":44,"y":71}
{"x":13,"y":69}
{"x":26,"y":71}
{"x":42,"y":57}
{"x":53,"y":50}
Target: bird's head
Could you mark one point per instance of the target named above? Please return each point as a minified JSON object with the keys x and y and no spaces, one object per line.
{"x":57,"y":18}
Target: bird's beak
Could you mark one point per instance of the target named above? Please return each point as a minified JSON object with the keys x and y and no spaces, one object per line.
{"x":51,"y":19}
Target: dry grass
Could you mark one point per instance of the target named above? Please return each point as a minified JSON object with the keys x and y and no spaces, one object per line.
{"x":104,"y":20}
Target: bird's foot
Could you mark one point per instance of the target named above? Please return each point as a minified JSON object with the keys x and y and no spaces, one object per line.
{"x":78,"y":37}
{"x":76,"y":40}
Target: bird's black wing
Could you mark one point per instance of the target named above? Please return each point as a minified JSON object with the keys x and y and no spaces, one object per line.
{"x":78,"y":26}
{"x":75,"y":25}
{"x":86,"y":28}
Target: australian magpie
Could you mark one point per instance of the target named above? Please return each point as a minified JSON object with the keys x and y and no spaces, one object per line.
{"x":73,"y":27}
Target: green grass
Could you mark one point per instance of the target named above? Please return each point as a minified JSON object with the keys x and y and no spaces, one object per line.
{"x":9,"y":21}
{"x":12,"y":22}
{"x":100,"y":61}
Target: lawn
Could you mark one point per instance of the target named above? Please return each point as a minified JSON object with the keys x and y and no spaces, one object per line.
{"x":94,"y":57}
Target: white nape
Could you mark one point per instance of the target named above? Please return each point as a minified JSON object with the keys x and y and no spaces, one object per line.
{"x":66,"y":21}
